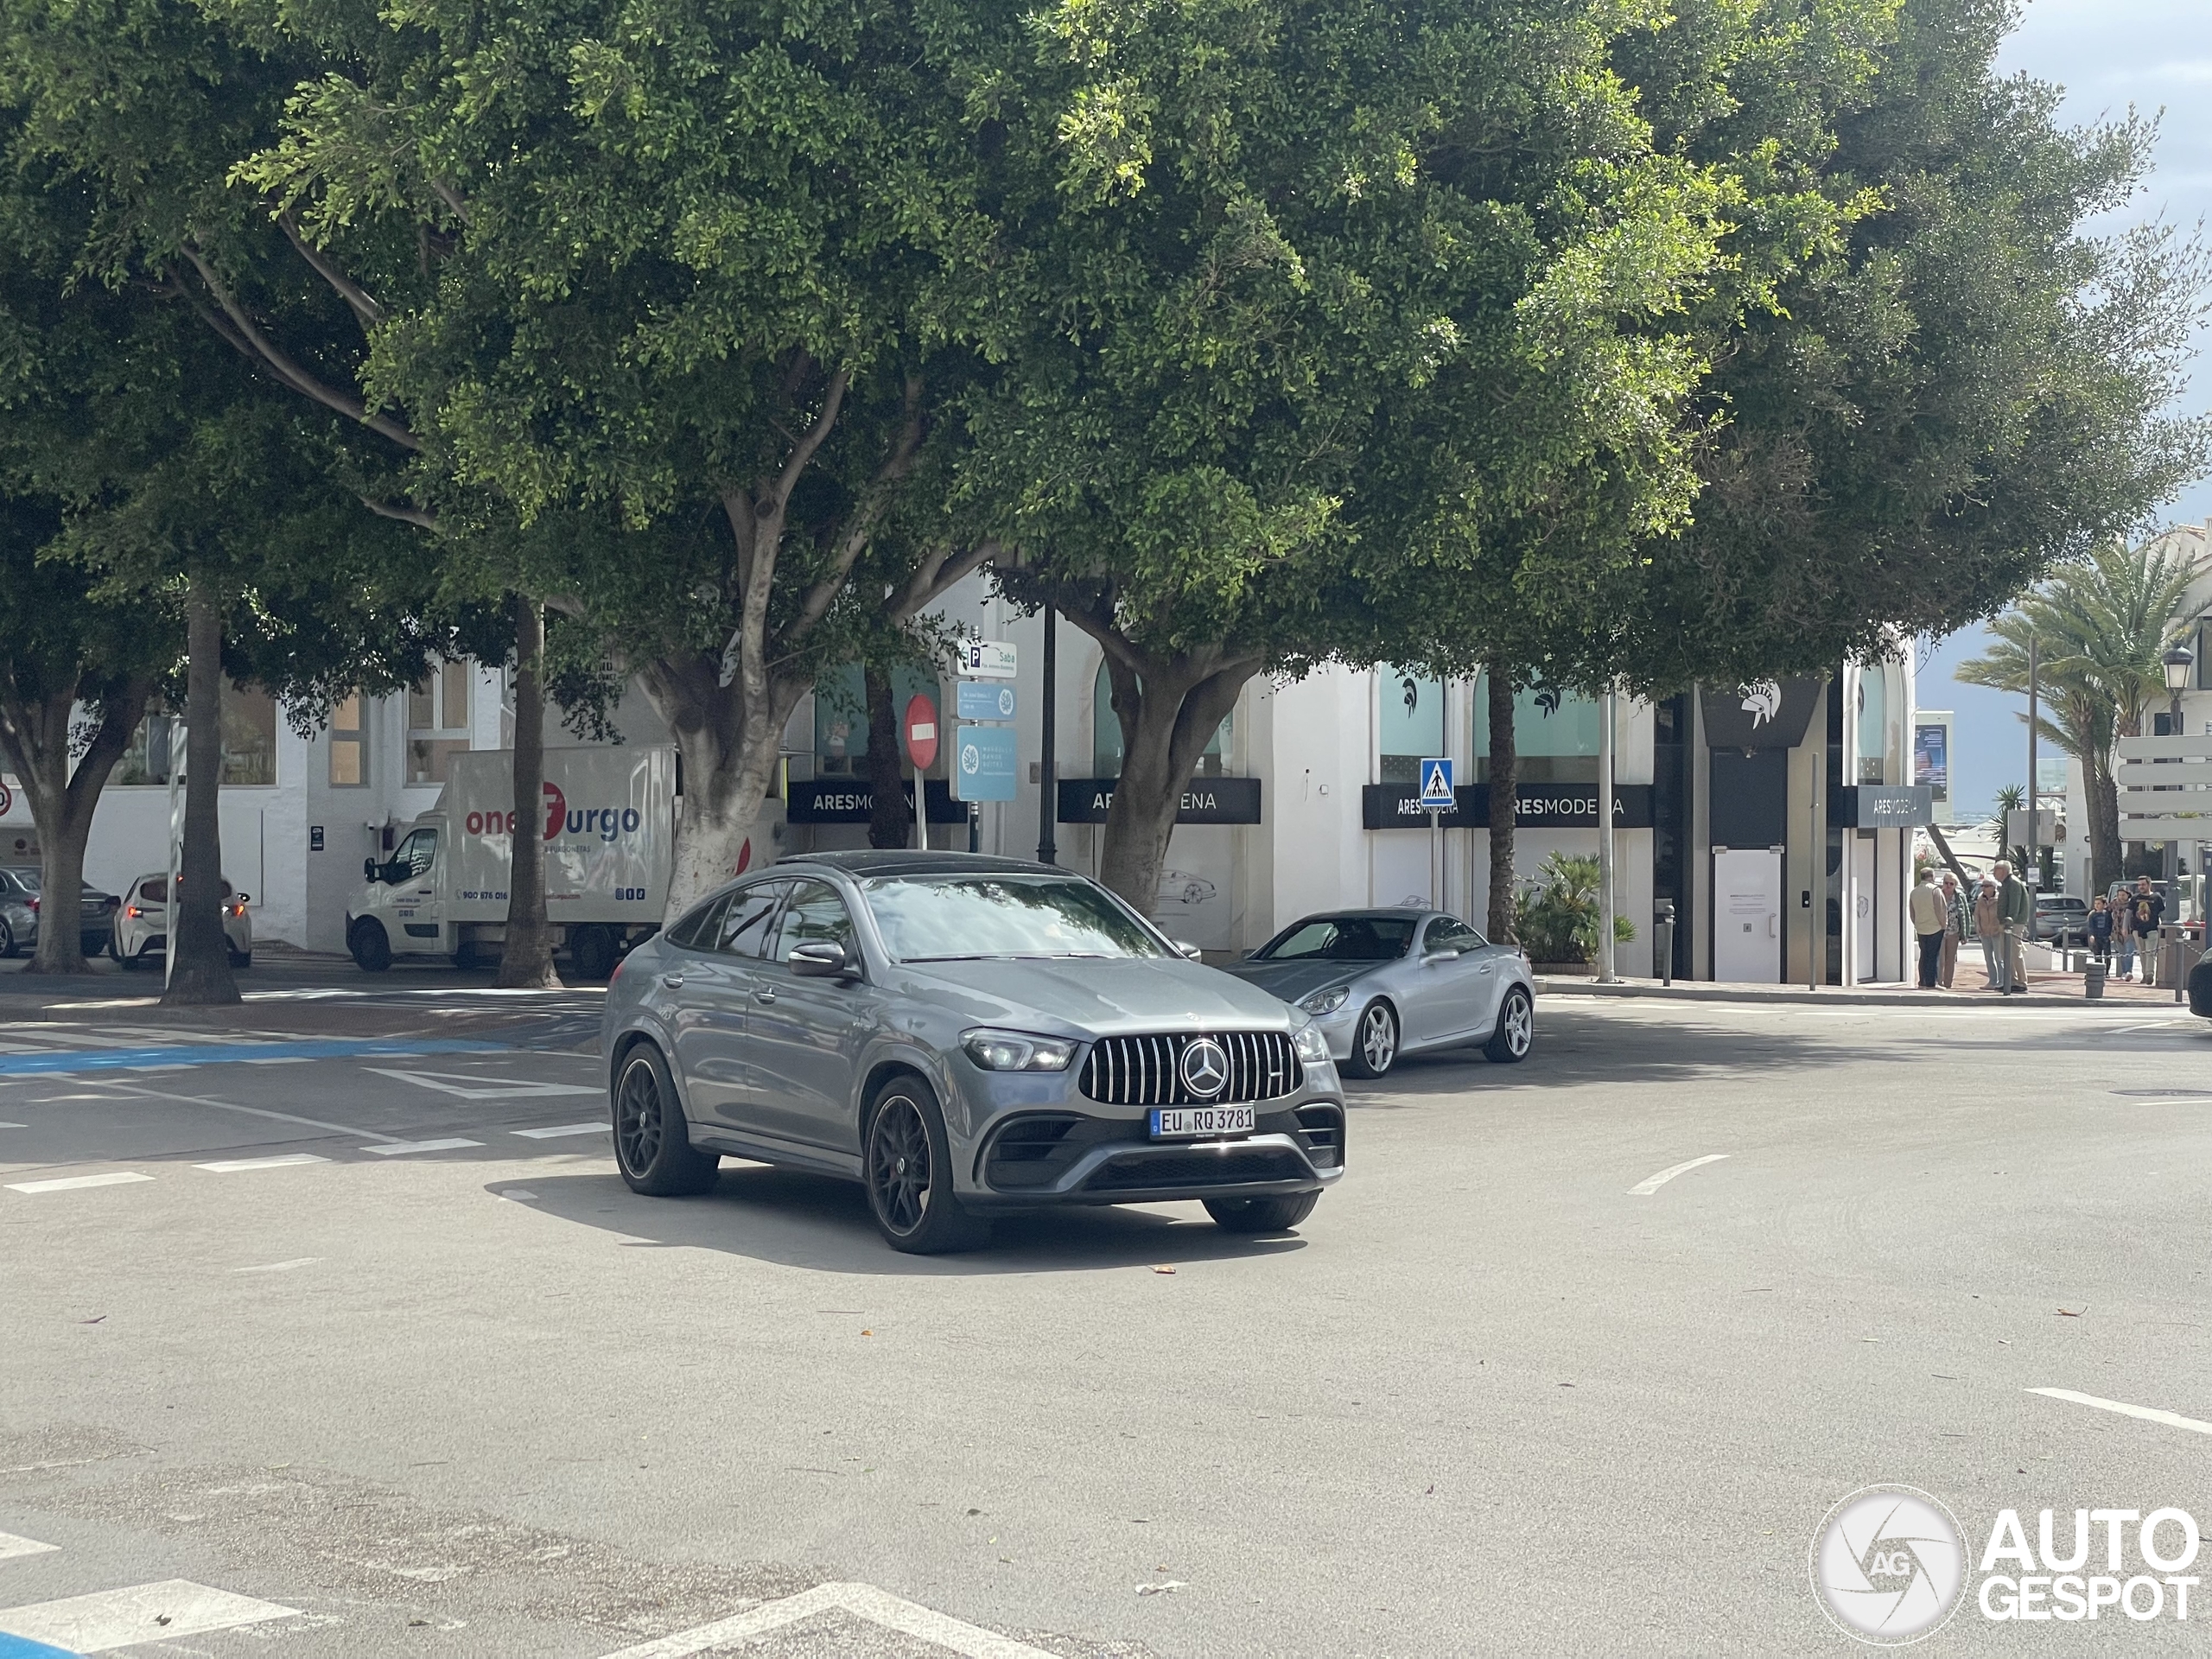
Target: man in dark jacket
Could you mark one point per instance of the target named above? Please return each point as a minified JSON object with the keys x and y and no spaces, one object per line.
{"x":2013,"y":907}
{"x":2146,"y":909}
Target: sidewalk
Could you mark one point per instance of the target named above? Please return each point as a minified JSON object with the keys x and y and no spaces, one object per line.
{"x":1970,"y":987}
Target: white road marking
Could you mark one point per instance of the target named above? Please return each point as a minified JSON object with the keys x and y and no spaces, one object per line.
{"x":140,"y":1613}
{"x":11,"y":1547}
{"x":14,"y":1126}
{"x":560,"y":1130}
{"x":283,"y":1059}
{"x":281,"y":1267}
{"x":66,"y":1183}
{"x":1644,"y":1189}
{"x":283,"y":1161}
{"x":473,"y":1088}
{"x":254,"y":1112}
{"x":2148,"y":1414}
{"x":398,"y":1148}
{"x":864,"y":1601}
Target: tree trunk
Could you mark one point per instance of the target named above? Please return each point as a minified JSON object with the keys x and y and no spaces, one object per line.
{"x":34,"y":742}
{"x":1504,"y":769}
{"x":1169,"y":711}
{"x":527,"y":957}
{"x":2104,"y":826}
{"x":889,"y":822}
{"x":201,"y":971}
{"x":729,"y":751}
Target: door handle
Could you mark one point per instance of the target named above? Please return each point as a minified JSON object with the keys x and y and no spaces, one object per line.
{"x":674,"y":982}
{"x":1484,"y":968}
{"x":765,"y":995}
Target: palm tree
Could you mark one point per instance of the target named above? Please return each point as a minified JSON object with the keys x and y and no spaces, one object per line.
{"x":2102,"y":628}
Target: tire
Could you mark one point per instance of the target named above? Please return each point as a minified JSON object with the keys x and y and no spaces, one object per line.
{"x":1374,"y":1041}
{"x":592,"y":949}
{"x":7,"y":938}
{"x":1262,"y":1215}
{"x":652,"y":1141}
{"x":370,"y":945}
{"x":115,"y":951}
{"x":241,"y":958}
{"x":907,"y":1168}
{"x":1516,"y":1031}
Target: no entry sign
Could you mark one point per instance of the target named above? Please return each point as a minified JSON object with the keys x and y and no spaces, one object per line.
{"x":921,"y":731}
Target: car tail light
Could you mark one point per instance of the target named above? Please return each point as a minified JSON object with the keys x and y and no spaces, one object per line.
{"x":133,"y":911}
{"x":237,"y":907}
{"x":33,"y":904}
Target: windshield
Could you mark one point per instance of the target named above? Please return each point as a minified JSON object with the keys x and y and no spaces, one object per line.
{"x":965,"y":918}
{"x":1341,"y":938}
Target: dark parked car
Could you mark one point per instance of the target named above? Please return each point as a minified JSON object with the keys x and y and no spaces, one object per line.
{"x":2059,"y":920}
{"x":21,"y":907}
{"x":962,"y":1034}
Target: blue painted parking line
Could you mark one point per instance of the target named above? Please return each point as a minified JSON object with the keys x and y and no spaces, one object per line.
{"x":19,"y":1647}
{"x":328,"y":1048}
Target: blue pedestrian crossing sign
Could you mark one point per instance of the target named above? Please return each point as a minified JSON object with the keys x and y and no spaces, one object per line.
{"x":1436,"y":784}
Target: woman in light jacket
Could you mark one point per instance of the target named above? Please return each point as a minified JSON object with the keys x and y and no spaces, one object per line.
{"x":1990,"y":930}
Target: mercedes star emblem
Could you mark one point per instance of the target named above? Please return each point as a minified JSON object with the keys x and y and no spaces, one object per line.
{"x":1205,"y":1067}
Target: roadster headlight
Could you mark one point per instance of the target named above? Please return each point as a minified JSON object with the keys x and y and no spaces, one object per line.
{"x":1016,"y":1051}
{"x":1312,"y":1048}
{"x":1326,"y":1002}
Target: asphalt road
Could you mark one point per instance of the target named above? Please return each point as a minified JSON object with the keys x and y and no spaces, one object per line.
{"x":330,"y":1386}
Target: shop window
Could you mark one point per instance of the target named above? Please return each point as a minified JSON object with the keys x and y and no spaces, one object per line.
{"x":1554,"y":735}
{"x":249,"y":742}
{"x":349,"y":750}
{"x":1412,"y":725}
{"x":1872,"y":744}
{"x":840,"y":714}
{"x":437,"y":722}
{"x":1106,"y":736}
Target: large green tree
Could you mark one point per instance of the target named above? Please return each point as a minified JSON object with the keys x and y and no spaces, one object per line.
{"x":1296,"y":282}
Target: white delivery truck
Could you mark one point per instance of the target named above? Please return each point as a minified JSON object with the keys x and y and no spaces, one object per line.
{"x":610,"y":835}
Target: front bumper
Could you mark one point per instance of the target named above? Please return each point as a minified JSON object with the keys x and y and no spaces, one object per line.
{"x":1071,"y":1157}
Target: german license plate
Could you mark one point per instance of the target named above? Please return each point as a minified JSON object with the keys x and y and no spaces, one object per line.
{"x":1189,"y":1123}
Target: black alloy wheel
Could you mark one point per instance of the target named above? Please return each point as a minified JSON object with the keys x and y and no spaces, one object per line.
{"x":652,"y":1143}
{"x":907,"y":1170}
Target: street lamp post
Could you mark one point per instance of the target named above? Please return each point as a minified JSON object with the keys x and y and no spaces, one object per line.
{"x":2178,"y":660}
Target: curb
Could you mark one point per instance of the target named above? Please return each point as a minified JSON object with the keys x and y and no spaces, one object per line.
{"x":1706,"y":991}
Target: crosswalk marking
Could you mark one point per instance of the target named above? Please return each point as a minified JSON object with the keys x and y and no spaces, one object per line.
{"x":559,"y":1129}
{"x":139,"y":1612}
{"x":480,"y":1088}
{"x":862,"y":1600}
{"x":11,"y":1547}
{"x":66,"y":1183}
{"x":283,"y":1161}
{"x":397,"y":1148}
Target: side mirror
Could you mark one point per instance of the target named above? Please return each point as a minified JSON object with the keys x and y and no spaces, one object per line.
{"x":819,"y":959}
{"x":1184,"y":948}
{"x":1449,"y":953}
{"x":368,"y":869}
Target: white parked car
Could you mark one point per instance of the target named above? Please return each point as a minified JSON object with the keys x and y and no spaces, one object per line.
{"x":142,"y":925}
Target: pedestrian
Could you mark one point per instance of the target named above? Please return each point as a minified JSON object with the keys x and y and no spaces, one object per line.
{"x":1926,"y":908}
{"x":1955,"y":929}
{"x":1990,"y":931}
{"x":2101,"y":928}
{"x":2013,"y":907}
{"x":2123,"y":934}
{"x":2145,"y":911}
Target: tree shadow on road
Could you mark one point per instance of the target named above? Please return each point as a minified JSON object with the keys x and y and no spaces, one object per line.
{"x":798,"y":1220}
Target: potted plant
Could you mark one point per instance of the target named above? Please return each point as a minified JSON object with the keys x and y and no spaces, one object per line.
{"x":1556,"y":916}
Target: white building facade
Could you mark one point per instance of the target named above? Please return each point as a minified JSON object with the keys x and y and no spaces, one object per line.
{"x":1781,"y":860}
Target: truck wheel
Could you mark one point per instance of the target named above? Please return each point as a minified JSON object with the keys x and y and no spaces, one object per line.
{"x":372,"y":948}
{"x":591,"y":947}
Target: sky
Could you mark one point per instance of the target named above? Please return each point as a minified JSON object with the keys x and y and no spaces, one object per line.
{"x":2108,"y":54}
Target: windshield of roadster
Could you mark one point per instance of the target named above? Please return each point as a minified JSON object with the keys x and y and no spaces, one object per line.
{"x":964,"y":918}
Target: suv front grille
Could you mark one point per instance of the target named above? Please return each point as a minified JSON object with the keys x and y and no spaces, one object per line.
{"x":1148,"y":1070}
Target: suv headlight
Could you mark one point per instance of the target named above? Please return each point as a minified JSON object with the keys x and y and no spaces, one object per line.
{"x":1016,"y":1051}
{"x":1326,"y":1002}
{"x":1311,"y":1047}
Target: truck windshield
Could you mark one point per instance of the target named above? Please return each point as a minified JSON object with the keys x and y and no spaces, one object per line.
{"x":969,"y":917}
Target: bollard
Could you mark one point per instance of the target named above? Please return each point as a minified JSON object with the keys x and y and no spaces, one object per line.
{"x":2093,"y":980}
{"x":1662,"y":940}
